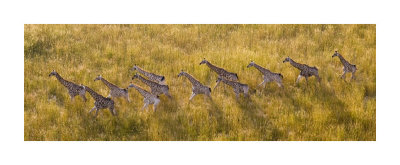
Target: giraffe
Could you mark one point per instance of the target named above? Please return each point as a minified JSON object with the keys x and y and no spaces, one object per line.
{"x":148,"y":97}
{"x":197,"y":87}
{"x":305,"y":70}
{"x":115,"y":91}
{"x":347,"y":67}
{"x":237,"y":87}
{"x":156,"y":88}
{"x":268,"y":76}
{"x":151,"y":76}
{"x":100,"y":102}
{"x":73,"y":89}
{"x":221,"y":72}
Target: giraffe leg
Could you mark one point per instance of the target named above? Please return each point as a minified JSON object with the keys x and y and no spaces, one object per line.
{"x":319,"y":78}
{"x":167,"y":94}
{"x":298,"y":79}
{"x":92,"y":109}
{"x":217,"y":85}
{"x":246,"y":92}
{"x":279,"y":84}
{"x":306,"y":79}
{"x":145,"y":106}
{"x":112,"y":110}
{"x":127,"y":98}
{"x":209,"y":96}
{"x":352,"y":75}
{"x":263,"y":83}
{"x":97,"y":111}
{"x":191,"y":97}
{"x":83,"y":97}
{"x":156,"y":102}
{"x":72,"y":97}
{"x":344,"y":75}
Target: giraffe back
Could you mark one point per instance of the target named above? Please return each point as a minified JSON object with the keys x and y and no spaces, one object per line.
{"x":155,"y":87}
{"x":151,"y":76}
{"x":73,"y":89}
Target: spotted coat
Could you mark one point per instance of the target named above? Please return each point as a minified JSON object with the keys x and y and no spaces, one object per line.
{"x":115,"y":91}
{"x":100,"y":102}
{"x":237,"y":87}
{"x":156,"y":88}
{"x":148,"y":97}
{"x":197,"y":87}
{"x":221,"y":72}
{"x":73,"y":89}
{"x":347,"y":67}
{"x":151,"y":76}
{"x":268,"y":76}
{"x":305,"y":70}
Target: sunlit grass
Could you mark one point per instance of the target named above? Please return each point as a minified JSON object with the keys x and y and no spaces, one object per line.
{"x":333,"y":110}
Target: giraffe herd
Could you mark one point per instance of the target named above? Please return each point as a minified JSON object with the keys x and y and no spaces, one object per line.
{"x":158,"y":86}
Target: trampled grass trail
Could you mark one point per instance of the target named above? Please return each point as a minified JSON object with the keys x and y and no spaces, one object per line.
{"x":333,"y":110}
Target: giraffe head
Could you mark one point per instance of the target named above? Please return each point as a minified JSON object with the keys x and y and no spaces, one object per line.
{"x":335,"y":54}
{"x":251,"y":64}
{"x":135,"y":76}
{"x":135,"y":67}
{"x":130,"y":85}
{"x":53,"y":73}
{"x":98,"y":78}
{"x":287,"y":59}
{"x":204,"y":61}
{"x":181,"y":73}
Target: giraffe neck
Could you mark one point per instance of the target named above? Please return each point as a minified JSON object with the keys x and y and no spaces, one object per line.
{"x":214,"y":68}
{"x":191,"y":79}
{"x":92,"y":93}
{"x":344,"y":62}
{"x":296,"y":65}
{"x":61,"y":80}
{"x":108,"y":84}
{"x":230,"y":83}
{"x":143,"y":92}
{"x":140,"y":70}
{"x":261,"y":69}
{"x":147,"y":82}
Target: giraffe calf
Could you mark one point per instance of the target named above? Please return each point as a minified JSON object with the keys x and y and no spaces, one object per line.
{"x":115,"y":91}
{"x":73,"y":89}
{"x":268,"y":76}
{"x":197,"y":87}
{"x":156,"y":88}
{"x":100,"y":101}
{"x":148,"y":97}
{"x":237,"y":87}
{"x":347,"y":67}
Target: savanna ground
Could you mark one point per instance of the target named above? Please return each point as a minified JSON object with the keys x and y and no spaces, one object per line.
{"x":333,"y":110}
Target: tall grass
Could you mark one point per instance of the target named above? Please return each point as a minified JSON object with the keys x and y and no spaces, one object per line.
{"x":332,"y":110}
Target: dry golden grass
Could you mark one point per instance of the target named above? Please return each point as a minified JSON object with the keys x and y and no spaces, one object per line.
{"x":333,"y":110}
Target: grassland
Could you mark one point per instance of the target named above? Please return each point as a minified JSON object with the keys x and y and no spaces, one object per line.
{"x":332,"y":110}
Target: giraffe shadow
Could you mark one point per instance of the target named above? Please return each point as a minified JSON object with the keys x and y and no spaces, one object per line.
{"x":339,"y":113}
{"x":169,"y":104}
{"x":215,"y":111}
{"x":254,"y":113}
